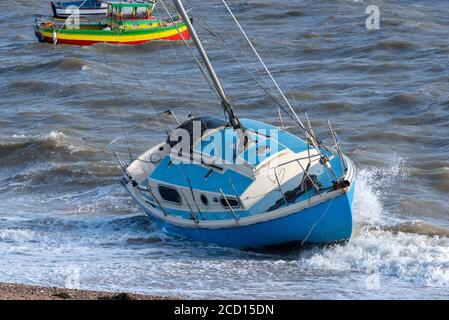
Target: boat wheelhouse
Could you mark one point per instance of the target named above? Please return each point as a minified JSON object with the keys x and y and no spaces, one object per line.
{"x":126,"y":23}
{"x":122,"y":15}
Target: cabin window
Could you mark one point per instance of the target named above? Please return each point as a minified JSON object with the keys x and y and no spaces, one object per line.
{"x":170,"y":194}
{"x":233,"y":203}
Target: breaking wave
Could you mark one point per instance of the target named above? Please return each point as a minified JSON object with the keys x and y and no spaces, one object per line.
{"x":53,"y":141}
{"x":413,"y":251}
{"x":63,"y":64}
{"x":134,"y":230}
{"x":17,"y":235}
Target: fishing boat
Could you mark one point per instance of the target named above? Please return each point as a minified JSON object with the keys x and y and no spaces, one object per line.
{"x":239,"y":182}
{"x":127,"y":23}
{"x":63,"y":9}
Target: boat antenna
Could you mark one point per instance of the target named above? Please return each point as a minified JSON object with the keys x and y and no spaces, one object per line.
{"x":225,"y":102}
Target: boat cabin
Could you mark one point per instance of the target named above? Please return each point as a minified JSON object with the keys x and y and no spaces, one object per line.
{"x":224,"y":180}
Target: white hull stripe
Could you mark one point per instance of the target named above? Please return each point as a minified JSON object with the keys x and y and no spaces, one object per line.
{"x":64,"y":13}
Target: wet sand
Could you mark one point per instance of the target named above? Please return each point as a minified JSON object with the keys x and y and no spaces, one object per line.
{"x":12,"y":291}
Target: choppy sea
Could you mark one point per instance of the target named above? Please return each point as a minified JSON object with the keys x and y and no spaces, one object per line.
{"x":63,"y":212}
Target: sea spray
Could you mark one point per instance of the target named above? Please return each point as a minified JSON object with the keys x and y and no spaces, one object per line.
{"x":374,"y":249}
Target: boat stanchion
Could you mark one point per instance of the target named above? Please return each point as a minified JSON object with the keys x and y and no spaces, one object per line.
{"x":237,"y":218}
{"x":148,"y":189}
{"x":279,"y":186}
{"x":337,"y":145}
{"x":308,"y":176}
{"x":192,"y":214}
{"x":236,"y":194}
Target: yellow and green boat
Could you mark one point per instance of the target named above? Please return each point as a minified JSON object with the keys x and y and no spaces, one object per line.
{"x":126,"y":23}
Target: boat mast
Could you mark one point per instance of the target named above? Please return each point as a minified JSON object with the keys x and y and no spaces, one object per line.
{"x":225,"y":103}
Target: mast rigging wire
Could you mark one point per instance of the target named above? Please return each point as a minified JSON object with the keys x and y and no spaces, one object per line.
{"x":206,"y":76}
{"x":307,"y":133}
{"x":271,"y":95}
{"x":118,"y":108}
{"x":209,"y":29}
{"x":291,"y":114}
{"x":266,"y":69}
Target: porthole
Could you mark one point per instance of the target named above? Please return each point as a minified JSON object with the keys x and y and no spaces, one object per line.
{"x":204,"y":200}
{"x":170,"y":194}
{"x":155,"y":158}
{"x":229,"y":202}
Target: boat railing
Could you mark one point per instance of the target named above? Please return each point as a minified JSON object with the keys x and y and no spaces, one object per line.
{"x":236,"y":217}
{"x":131,"y":17}
{"x":303,"y":170}
{"x":62,"y":22}
{"x":154,"y":116}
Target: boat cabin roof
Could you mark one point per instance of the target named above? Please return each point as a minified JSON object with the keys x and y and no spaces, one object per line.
{"x":124,"y":13}
{"x":143,"y":4}
{"x":218,"y":140}
{"x":267,"y":142}
{"x":207,"y":123}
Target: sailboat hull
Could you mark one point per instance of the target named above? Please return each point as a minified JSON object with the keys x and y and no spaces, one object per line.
{"x":320,"y":220}
{"x":324,"y":223}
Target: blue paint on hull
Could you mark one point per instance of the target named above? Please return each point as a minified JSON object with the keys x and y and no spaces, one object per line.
{"x":176,"y":174}
{"x":327,"y":222}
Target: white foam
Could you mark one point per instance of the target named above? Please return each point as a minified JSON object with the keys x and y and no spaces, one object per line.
{"x":416,"y":258}
{"x":18,"y":136}
{"x":411,"y":257}
{"x":61,"y":140}
{"x":17,"y":235}
{"x":58,"y":138}
{"x":368,"y":207}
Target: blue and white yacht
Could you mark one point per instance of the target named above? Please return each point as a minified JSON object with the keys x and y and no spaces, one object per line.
{"x":243,"y":183}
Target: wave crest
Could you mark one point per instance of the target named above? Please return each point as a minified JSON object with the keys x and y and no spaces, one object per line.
{"x":413,"y":251}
